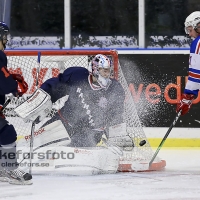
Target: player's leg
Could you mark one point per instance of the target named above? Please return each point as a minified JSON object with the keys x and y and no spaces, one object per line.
{"x":3,"y":177}
{"x":9,"y":165}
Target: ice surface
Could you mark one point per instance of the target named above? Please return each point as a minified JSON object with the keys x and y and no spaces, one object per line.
{"x":179,"y":181}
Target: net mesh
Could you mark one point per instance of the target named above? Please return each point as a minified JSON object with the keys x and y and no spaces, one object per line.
{"x":51,"y":66}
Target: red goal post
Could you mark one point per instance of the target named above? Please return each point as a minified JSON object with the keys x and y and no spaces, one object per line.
{"x":112,"y":53}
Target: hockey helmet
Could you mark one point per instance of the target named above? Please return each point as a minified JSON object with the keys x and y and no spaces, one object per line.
{"x":192,"y":20}
{"x":4,"y":31}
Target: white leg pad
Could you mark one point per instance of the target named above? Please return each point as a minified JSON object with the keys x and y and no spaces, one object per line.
{"x":76,"y":161}
{"x":51,"y":135}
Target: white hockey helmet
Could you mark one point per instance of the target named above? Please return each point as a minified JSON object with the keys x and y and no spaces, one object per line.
{"x":101,"y":61}
{"x":192,"y":20}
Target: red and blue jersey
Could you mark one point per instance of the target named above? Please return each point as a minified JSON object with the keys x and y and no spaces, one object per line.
{"x":7,"y":83}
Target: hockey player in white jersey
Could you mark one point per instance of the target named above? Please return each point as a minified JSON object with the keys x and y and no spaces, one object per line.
{"x":192,"y":28}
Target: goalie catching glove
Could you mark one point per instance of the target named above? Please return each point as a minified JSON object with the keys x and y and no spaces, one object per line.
{"x":185,"y":103}
{"x":38,"y":106}
{"x":22,"y":85}
{"x":118,"y":136}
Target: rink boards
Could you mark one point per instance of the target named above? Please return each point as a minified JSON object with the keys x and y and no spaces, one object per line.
{"x":178,"y":137}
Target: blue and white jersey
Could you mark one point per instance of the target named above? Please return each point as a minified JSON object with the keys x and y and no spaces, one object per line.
{"x":193,"y":83}
{"x":88,"y":105}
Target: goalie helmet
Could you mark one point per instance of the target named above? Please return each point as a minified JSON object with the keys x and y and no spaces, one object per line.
{"x":98,"y":62}
{"x":192,"y":20}
{"x":4,"y":31}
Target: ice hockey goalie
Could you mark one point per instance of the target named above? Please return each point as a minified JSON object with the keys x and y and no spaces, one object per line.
{"x":80,"y":128}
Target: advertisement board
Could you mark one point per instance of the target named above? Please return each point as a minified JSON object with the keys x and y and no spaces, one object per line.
{"x":156,"y":82}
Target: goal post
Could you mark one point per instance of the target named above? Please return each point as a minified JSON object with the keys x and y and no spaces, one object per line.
{"x":52,"y":63}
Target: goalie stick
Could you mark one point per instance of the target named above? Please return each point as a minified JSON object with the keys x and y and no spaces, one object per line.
{"x":33,"y":123}
{"x":31,"y":144}
{"x":165,"y":137}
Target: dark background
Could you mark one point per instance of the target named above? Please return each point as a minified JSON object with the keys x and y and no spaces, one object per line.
{"x":103,"y":18}
{"x":99,"y":18}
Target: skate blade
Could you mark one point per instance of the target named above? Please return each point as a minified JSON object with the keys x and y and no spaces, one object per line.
{"x":16,"y":182}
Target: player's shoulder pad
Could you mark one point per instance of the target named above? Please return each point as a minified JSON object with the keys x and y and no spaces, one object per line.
{"x":74,"y":74}
{"x":74,"y":70}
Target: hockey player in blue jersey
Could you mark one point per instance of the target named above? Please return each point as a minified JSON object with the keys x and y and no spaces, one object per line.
{"x":95,"y":101}
{"x":192,"y":28}
{"x":15,"y":84}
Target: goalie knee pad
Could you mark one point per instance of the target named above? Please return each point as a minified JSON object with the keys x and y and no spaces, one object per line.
{"x":8,"y":135}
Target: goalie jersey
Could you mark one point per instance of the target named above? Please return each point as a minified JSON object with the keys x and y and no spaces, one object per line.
{"x":193,"y":83}
{"x":89,"y":107}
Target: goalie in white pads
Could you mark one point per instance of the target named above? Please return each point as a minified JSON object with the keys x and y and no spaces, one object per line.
{"x":95,"y":104}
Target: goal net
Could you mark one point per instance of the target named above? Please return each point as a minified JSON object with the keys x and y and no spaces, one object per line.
{"x":54,"y":62}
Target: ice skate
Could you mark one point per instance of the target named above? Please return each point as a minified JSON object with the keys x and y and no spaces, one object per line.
{"x":19,"y":177}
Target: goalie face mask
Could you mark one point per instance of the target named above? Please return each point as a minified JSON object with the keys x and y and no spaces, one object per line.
{"x":101,"y":69}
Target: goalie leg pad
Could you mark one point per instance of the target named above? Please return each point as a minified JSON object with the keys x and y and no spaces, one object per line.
{"x":90,"y":161}
{"x":53,"y":135}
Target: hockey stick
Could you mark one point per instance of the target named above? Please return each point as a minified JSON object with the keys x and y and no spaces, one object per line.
{"x":6,"y":103}
{"x":34,"y":122}
{"x":165,"y":137}
{"x":31,"y":143}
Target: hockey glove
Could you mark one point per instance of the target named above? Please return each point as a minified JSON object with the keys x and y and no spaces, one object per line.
{"x":22,"y":85}
{"x":22,"y":88}
{"x":185,"y":103}
{"x":102,"y":142}
{"x":18,"y":77}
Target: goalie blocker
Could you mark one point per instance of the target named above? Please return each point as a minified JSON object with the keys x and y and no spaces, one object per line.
{"x":38,"y":105}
